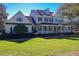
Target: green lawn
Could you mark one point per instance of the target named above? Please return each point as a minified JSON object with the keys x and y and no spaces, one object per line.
{"x":40,"y":47}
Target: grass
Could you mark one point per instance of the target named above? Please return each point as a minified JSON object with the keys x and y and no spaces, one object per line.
{"x":40,"y":47}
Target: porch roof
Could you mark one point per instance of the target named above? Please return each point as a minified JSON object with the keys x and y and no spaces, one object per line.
{"x":51,"y":24}
{"x":20,"y":23}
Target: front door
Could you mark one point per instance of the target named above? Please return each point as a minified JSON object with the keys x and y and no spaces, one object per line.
{"x":11,"y":30}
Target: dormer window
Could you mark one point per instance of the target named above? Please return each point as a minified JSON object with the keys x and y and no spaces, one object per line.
{"x":60,"y":20}
{"x":19,"y":19}
{"x":56,"y":20}
{"x":52,"y":19}
{"x":39,"y":18}
{"x":46,"y":19}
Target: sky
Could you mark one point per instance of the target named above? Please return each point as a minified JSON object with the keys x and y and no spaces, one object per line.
{"x":25,"y":8}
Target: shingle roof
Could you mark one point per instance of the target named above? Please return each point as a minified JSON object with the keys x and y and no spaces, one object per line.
{"x":42,"y":13}
{"x":31,"y":19}
{"x":20,"y":23}
{"x":49,"y":23}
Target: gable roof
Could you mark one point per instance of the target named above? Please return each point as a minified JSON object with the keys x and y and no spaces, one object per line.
{"x":19,"y":14}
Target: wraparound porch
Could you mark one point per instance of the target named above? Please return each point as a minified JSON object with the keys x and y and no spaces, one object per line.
{"x":48,"y":29}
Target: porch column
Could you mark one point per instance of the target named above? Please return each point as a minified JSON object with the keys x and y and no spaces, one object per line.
{"x":48,"y":29}
{"x":52,"y":29}
{"x":37,"y":28}
{"x":55,"y":29}
{"x":41,"y":29}
{"x":62,"y":29}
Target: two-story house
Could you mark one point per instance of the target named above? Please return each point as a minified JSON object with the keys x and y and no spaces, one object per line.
{"x":47,"y":23}
{"x":39,"y":21}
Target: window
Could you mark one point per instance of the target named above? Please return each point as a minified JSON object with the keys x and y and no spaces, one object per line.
{"x":46,"y":19}
{"x":58,"y":28}
{"x":39,"y":18}
{"x":63,"y":28}
{"x":69,"y":28}
{"x":50,"y":28}
{"x":40,"y":28}
{"x":11,"y":29}
{"x":33,"y":29}
{"x":52,"y":19}
{"x":44,"y":27}
{"x":19,"y":19}
{"x":56,"y":20}
{"x":26,"y":29}
{"x":54,"y":28}
{"x":60,"y":20}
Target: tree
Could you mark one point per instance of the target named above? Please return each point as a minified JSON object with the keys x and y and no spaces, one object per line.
{"x":71,"y":10}
{"x":3,"y":16}
{"x":20,"y":28}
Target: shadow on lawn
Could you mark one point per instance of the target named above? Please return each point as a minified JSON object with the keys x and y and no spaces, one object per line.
{"x":73,"y":37}
{"x":69,"y":37}
{"x":19,"y":38}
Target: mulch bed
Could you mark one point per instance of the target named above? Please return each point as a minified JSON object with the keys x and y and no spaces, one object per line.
{"x":27,"y":35}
